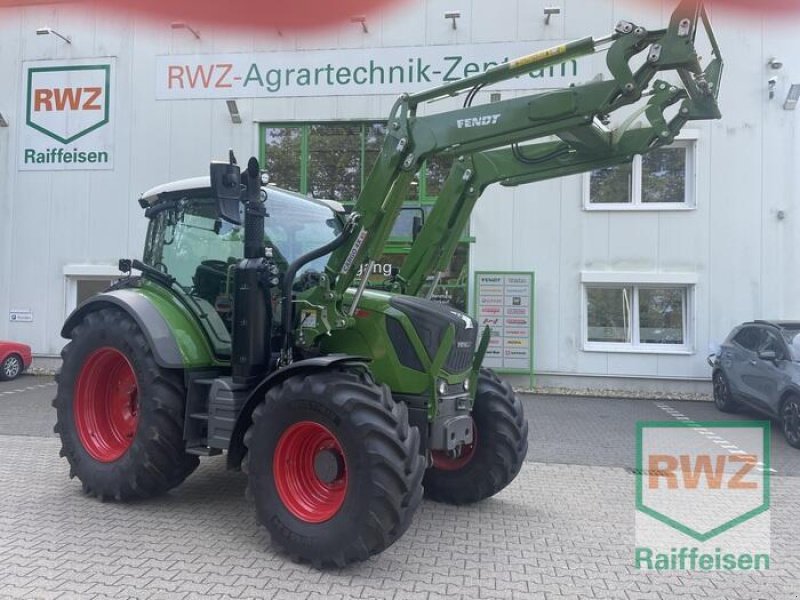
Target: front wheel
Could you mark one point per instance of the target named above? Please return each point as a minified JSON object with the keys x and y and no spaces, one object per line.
{"x":11,"y":368}
{"x":334,"y":467}
{"x":493,"y":460}
{"x":790,"y":421}
{"x":723,"y":397}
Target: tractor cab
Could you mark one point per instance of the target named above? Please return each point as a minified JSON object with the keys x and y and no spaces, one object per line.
{"x":188,"y":240}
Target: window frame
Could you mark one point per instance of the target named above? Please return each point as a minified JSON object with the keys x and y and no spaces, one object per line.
{"x":687,"y":140}
{"x":74,"y":273}
{"x":686,"y":282}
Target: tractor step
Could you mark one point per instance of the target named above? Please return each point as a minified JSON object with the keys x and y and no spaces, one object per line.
{"x":212,"y":405}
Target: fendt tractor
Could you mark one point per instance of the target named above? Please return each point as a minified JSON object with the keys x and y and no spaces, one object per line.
{"x":247,"y":332}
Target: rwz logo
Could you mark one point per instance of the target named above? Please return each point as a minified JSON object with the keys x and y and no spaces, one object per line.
{"x":478,"y":121}
{"x":68,"y":102}
{"x":67,"y":99}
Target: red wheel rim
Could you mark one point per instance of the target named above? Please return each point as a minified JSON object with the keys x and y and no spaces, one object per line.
{"x":295,"y":465}
{"x":444,"y":462}
{"x":106,"y":405}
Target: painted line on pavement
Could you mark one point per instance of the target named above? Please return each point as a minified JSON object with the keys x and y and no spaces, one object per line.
{"x":27,"y":389}
{"x":717,"y":439}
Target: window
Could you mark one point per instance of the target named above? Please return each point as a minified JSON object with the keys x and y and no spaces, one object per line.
{"x":84,"y":281}
{"x":660,"y":180}
{"x":194,"y":246}
{"x":637,"y":317}
{"x":324,"y":160}
{"x":332,"y":160}
{"x":771,"y":342}
{"x":86,"y":288}
{"x":748,"y":338}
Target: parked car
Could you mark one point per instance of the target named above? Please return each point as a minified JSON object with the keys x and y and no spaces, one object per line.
{"x":758,"y":365}
{"x":14,"y":359}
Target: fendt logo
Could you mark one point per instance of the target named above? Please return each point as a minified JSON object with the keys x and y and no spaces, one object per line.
{"x":66,"y":103}
{"x":697,"y":481}
{"x":478,"y":121}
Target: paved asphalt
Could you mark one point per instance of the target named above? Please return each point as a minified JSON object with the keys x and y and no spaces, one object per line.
{"x":563,"y":430}
{"x":563,"y":529}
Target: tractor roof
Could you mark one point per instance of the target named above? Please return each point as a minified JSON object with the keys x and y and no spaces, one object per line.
{"x":196,"y":185}
{"x":193,"y":184}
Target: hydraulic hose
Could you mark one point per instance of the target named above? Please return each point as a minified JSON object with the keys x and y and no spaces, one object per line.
{"x":528,"y":160}
{"x":287,"y":309}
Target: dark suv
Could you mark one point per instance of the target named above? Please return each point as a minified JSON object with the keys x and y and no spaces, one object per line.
{"x":759,"y":365}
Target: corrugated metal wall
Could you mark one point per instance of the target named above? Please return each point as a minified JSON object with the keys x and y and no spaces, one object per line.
{"x":744,"y":256}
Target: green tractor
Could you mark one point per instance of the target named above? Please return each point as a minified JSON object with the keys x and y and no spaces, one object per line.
{"x":246,"y":332}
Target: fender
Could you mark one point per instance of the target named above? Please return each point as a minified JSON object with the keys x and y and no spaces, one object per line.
{"x":236,"y":448}
{"x":169,"y":352}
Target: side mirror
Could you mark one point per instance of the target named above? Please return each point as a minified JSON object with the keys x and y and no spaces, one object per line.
{"x":416,"y":227}
{"x":769,"y":355}
{"x":226,"y":185}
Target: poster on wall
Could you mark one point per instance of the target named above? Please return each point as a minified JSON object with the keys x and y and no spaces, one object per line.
{"x":504,"y":303}
{"x":69,"y":116}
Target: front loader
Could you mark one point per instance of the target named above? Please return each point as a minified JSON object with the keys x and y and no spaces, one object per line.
{"x":246,"y":332}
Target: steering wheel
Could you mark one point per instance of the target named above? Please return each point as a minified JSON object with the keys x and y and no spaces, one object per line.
{"x":216,"y":265}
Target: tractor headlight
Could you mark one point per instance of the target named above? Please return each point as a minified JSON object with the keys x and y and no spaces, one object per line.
{"x":442,"y":387}
{"x":466,"y":385}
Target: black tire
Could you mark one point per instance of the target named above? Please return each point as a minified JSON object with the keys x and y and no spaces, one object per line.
{"x":790,"y":420}
{"x":501,"y":445}
{"x":155,"y":460}
{"x":723,"y":397}
{"x":11,"y":368}
{"x":380,"y":472}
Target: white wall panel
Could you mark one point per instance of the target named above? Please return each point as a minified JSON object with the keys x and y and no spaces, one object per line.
{"x":744,"y":256}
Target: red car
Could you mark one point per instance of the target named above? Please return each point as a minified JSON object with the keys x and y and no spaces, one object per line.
{"x":14,"y":359}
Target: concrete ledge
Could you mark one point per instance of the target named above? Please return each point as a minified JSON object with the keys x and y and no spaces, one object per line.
{"x":45,"y":365}
{"x":614,"y":387}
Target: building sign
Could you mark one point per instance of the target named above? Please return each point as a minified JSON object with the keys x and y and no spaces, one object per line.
{"x":344,"y":72}
{"x":504,"y":303}
{"x":68,"y":115}
{"x":20,"y":315}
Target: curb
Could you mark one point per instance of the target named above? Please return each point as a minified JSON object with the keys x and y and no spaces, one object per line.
{"x":615,"y":394}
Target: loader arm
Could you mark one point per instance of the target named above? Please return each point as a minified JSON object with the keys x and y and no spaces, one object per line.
{"x":474,"y":134}
{"x":511,"y":166}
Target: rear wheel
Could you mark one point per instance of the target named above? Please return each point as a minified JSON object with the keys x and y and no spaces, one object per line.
{"x":333,"y":466}
{"x":11,"y":368}
{"x":493,"y":460}
{"x":119,"y":415}
{"x":790,"y":421}
{"x":723,"y":398}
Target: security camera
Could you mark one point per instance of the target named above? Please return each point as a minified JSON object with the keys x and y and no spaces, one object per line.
{"x":775,"y":64}
{"x":773,"y":82}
